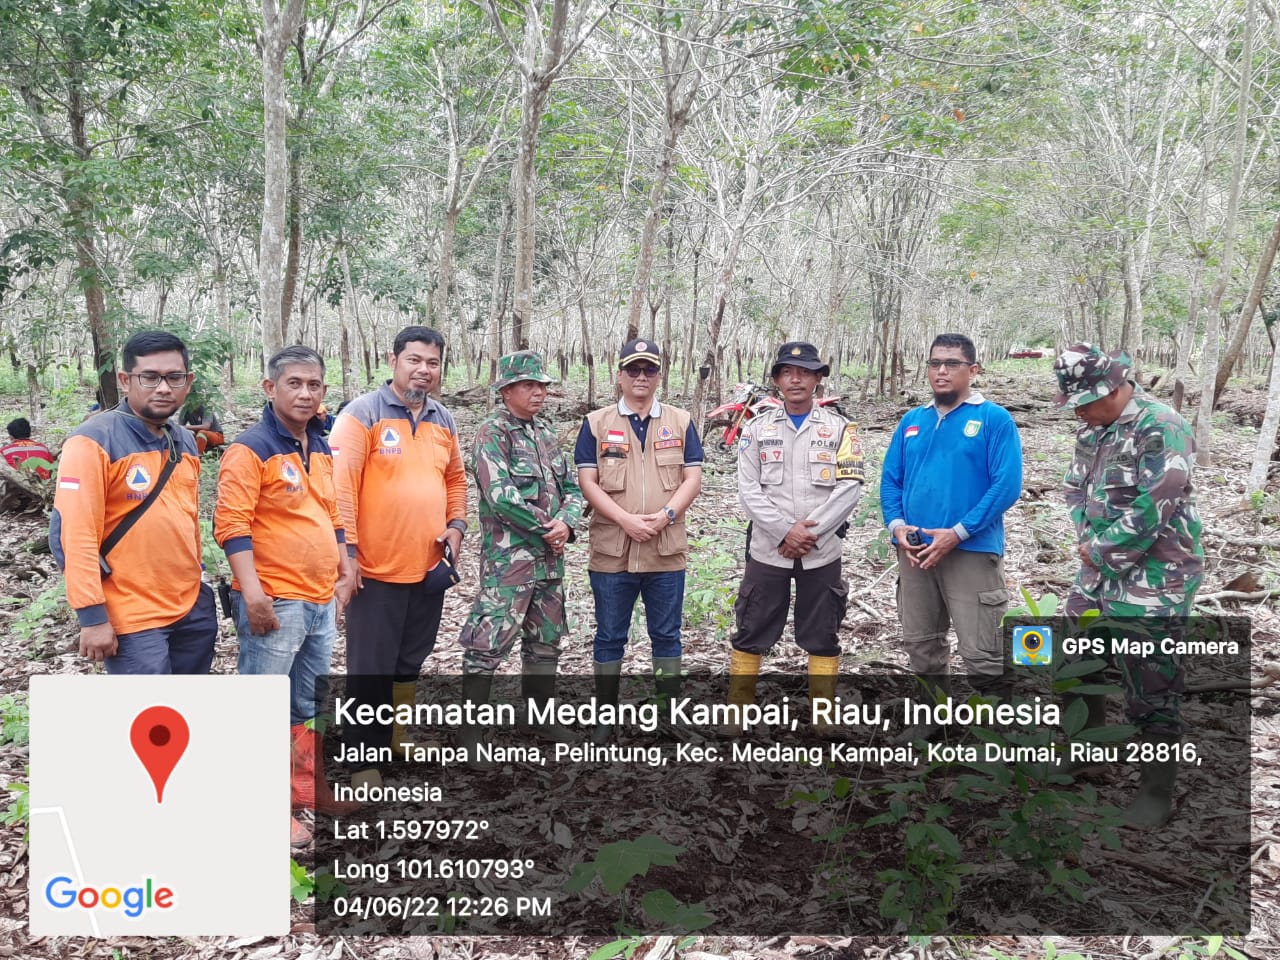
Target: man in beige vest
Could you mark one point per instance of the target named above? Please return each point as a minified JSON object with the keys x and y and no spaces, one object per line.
{"x":640,"y":466}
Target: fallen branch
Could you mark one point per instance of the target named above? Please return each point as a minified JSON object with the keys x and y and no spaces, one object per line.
{"x":1243,"y":541}
{"x":10,"y":475}
{"x":1271,"y":676}
{"x":1237,"y":595}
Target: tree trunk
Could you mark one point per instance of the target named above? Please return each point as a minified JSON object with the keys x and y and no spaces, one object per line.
{"x":496,"y":297}
{"x":1267,"y":434}
{"x":1236,"y":346}
{"x":1209,"y":357}
{"x":289,"y":289}
{"x":278,"y":28}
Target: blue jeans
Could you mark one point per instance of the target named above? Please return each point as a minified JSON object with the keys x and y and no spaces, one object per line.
{"x":302,"y":648}
{"x":182,"y":647}
{"x":615,"y":595}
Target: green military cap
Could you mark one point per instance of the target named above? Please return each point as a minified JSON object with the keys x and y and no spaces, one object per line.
{"x":1086,"y":374}
{"x":521,"y":365}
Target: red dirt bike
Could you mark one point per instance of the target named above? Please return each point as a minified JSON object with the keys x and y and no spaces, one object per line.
{"x":748,"y":401}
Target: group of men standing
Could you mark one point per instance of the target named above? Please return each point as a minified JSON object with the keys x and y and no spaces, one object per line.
{"x":373,"y":521}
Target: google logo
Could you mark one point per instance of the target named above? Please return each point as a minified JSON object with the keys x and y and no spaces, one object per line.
{"x":61,"y":893}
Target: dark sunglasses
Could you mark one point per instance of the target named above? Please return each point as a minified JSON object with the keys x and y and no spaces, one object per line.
{"x":649,"y":370}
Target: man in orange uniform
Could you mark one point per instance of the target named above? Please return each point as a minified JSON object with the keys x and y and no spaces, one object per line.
{"x":277,"y":520}
{"x":142,"y":606}
{"x":402,"y":495}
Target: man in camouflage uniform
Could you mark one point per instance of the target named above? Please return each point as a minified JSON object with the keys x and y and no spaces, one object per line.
{"x":1133,"y":503}
{"x":529,"y":503}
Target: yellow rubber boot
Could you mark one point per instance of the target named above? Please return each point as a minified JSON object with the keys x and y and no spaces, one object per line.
{"x":744,"y":671}
{"x":402,"y":694}
{"x":823,"y":674}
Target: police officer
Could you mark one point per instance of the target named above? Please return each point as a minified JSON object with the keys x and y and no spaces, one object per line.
{"x":800,"y":474}
{"x":1132,"y":501}
{"x":529,"y":503}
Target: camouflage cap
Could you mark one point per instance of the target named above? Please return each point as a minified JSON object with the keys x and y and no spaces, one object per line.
{"x":521,"y":365}
{"x":1086,"y":374}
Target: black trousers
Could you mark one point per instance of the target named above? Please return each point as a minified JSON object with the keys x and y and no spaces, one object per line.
{"x":765,"y":597}
{"x":391,"y":629}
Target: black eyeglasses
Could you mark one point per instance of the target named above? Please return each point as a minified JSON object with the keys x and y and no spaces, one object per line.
{"x":152,"y":380}
{"x":637,"y":370}
{"x":949,"y":364}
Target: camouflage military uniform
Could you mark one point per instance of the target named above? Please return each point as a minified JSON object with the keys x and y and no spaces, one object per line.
{"x":1132,"y":501}
{"x":525,"y":482}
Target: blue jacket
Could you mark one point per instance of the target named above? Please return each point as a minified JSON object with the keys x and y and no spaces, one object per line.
{"x":963,"y":471}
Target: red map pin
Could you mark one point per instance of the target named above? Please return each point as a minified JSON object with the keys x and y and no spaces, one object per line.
{"x":159,"y":736}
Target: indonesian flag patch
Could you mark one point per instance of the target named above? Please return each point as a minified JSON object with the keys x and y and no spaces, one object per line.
{"x":68,"y":483}
{"x":911,"y":432}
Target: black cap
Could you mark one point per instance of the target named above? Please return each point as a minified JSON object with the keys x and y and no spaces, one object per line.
{"x":634,"y":350}
{"x":797,"y":353}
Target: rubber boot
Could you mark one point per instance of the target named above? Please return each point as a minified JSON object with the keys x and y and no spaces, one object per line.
{"x":403,"y":693}
{"x":311,"y":790}
{"x":668,"y":681}
{"x":476,"y":688}
{"x":823,"y":674}
{"x":744,"y":673}
{"x":538,"y":684}
{"x":1096,"y":704}
{"x":1153,"y":805}
{"x":608,"y":681}
{"x":936,"y":687}
{"x":299,"y":835}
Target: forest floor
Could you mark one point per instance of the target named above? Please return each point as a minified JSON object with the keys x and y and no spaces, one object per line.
{"x":37,"y":636}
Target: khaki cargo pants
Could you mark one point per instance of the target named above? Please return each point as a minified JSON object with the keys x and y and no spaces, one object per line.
{"x":965,"y":591}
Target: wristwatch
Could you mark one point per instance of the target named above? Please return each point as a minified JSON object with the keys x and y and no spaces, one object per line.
{"x":671,"y":514}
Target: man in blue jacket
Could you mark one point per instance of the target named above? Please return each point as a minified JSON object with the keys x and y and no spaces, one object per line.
{"x":953,"y":467}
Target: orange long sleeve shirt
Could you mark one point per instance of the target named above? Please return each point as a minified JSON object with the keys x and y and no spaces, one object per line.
{"x":400,"y":482}
{"x":281,"y":503}
{"x":107,"y":467}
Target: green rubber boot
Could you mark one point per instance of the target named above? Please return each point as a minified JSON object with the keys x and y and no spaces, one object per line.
{"x":538,"y":684}
{"x":936,"y":687}
{"x":667,"y":678}
{"x":608,"y":680}
{"x":1153,"y":805}
{"x":476,"y":688}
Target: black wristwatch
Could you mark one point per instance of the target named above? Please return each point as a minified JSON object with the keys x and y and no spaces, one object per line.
{"x":671,"y":514}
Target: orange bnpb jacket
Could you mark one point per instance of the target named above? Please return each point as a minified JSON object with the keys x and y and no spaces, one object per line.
{"x":400,"y":483}
{"x":107,"y":467}
{"x":280,"y":503}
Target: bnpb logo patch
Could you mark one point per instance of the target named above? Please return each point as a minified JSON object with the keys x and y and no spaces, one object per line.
{"x":138,"y":479}
{"x":390,"y":438}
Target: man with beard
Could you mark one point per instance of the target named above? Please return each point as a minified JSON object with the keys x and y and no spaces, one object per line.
{"x":402,"y":497}
{"x":126,"y":526}
{"x":954,"y":466}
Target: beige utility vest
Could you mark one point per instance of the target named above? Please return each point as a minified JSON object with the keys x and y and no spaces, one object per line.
{"x":639,"y":481}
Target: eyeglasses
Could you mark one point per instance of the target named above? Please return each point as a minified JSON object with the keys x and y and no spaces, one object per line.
{"x":637,"y":370}
{"x":152,"y":380}
{"x":949,"y":364}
